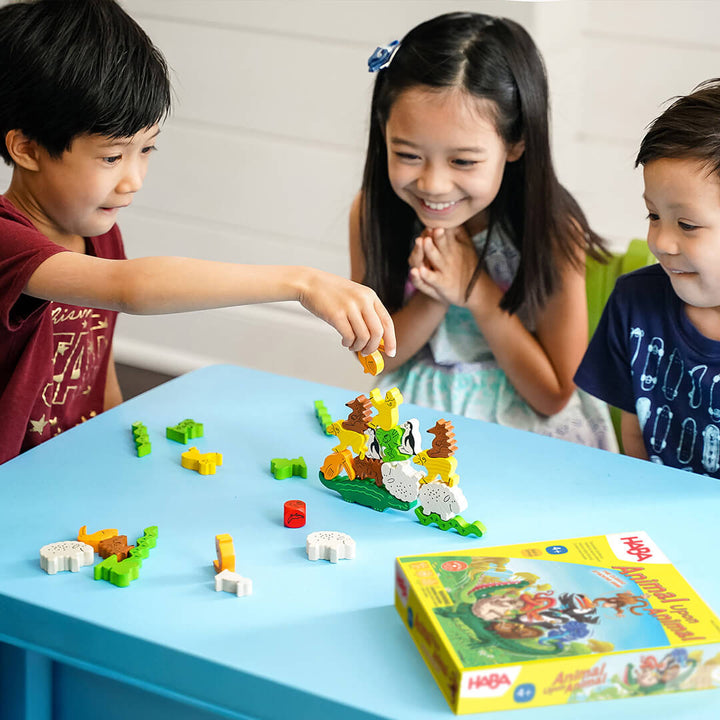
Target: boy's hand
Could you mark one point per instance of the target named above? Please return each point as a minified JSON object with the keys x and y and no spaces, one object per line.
{"x":354,"y":310}
{"x":442,"y":263}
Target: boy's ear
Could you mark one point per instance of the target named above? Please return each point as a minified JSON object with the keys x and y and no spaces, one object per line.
{"x":23,"y":151}
{"x":515,"y":151}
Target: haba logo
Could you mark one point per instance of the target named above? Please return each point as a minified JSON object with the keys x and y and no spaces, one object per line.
{"x":488,"y":683}
{"x":636,"y":547}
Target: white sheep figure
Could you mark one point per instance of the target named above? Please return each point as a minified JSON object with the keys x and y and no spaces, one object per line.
{"x":329,"y":545}
{"x":66,"y":555}
{"x":402,"y":479}
{"x":446,"y":501}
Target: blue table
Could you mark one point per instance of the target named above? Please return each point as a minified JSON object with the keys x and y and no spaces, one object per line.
{"x":315,"y":640}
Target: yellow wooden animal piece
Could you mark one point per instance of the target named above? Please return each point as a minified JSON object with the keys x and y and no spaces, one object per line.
{"x":225,"y":552}
{"x":443,"y":468}
{"x":374,"y":362}
{"x":387,"y":407}
{"x":204,"y":463}
{"x":348,"y":438}
{"x":96,"y":538}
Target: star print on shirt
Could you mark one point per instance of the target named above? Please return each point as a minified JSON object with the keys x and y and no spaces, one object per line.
{"x":38,"y":426}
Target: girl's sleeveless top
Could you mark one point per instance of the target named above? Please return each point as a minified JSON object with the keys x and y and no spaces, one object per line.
{"x":457,"y":372}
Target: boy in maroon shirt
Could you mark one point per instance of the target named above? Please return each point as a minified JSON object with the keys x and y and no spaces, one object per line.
{"x":82,"y":94}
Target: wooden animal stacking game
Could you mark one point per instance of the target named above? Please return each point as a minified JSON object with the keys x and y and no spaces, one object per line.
{"x":377,"y":462}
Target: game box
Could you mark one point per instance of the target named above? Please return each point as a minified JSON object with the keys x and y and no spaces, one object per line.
{"x":564,"y":621}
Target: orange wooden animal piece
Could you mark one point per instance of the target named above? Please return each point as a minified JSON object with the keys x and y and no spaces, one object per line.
{"x":225,"y":553}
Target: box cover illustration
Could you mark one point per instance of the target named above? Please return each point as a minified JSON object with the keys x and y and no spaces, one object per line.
{"x":544,"y":623}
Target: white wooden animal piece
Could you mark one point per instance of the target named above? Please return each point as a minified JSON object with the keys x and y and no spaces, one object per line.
{"x":231,"y":582}
{"x":329,"y":545}
{"x":447,"y":501}
{"x":66,"y":555}
{"x":402,"y":479}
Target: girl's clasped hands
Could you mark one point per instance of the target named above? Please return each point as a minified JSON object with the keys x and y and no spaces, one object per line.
{"x":442,"y":264}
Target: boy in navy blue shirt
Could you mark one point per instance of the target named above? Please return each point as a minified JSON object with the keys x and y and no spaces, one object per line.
{"x":656,"y":351}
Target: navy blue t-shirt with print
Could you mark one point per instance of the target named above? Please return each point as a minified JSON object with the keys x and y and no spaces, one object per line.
{"x":646,"y":357}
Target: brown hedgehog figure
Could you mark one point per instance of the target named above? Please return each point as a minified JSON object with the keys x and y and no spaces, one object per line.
{"x":361,"y":411}
{"x":443,"y":444}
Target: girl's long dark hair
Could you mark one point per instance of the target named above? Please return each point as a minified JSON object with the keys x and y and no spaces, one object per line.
{"x":493,"y":59}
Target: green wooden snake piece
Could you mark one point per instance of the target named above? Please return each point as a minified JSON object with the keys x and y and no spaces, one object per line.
{"x":457,"y":523}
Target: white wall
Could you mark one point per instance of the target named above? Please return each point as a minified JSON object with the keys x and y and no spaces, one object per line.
{"x":264,"y":150}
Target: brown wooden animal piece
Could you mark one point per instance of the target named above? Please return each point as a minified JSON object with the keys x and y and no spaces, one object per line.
{"x":361,"y":410}
{"x":443,"y":444}
{"x":369,"y":469}
{"x":114,"y":546}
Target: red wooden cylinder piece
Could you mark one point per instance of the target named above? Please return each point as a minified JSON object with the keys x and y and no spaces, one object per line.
{"x":294,"y":513}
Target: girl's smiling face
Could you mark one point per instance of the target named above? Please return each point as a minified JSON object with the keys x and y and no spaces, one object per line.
{"x":683,"y":201}
{"x":445,"y":157}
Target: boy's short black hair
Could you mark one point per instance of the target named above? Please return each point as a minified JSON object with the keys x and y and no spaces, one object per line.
{"x":75,"y":67}
{"x":688,"y":129}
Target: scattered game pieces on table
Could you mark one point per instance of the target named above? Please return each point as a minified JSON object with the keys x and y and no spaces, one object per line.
{"x":284,"y":468}
{"x":141,"y":439}
{"x":225,"y":553}
{"x":116,"y":545}
{"x":121,"y":563}
{"x":203,"y":463}
{"x":229,"y":581}
{"x":97,"y":537}
{"x":184,"y":431}
{"x":122,"y":572}
{"x":294,"y":514}
{"x":65,"y":555}
{"x":329,"y":545}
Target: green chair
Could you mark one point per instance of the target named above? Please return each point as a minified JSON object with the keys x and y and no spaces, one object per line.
{"x":599,"y":282}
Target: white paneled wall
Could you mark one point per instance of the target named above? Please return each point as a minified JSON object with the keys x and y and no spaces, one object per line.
{"x":264,"y":150}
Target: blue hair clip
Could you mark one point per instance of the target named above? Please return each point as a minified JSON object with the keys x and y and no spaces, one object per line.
{"x":382,"y":56}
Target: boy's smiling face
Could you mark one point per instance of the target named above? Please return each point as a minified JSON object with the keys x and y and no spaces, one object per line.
{"x":683,"y":201}
{"x":81,"y":192}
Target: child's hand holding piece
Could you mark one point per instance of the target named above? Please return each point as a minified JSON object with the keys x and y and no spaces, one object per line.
{"x":354,"y":310}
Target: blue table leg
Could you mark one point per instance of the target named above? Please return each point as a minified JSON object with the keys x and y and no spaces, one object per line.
{"x":25,"y":684}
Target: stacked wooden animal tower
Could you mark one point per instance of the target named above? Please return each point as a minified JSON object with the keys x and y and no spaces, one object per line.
{"x":378,"y":462}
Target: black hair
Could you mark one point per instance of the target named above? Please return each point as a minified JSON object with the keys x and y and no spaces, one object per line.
{"x":689,"y":128}
{"x":75,"y":67}
{"x":496,"y":60}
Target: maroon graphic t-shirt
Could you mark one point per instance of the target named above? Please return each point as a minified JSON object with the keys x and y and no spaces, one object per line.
{"x":53,"y":357}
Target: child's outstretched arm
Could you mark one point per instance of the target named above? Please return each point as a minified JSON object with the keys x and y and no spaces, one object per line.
{"x":113,"y":393}
{"x":540,"y":365}
{"x":416,"y":321}
{"x":632,"y":437}
{"x":158,"y":285}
